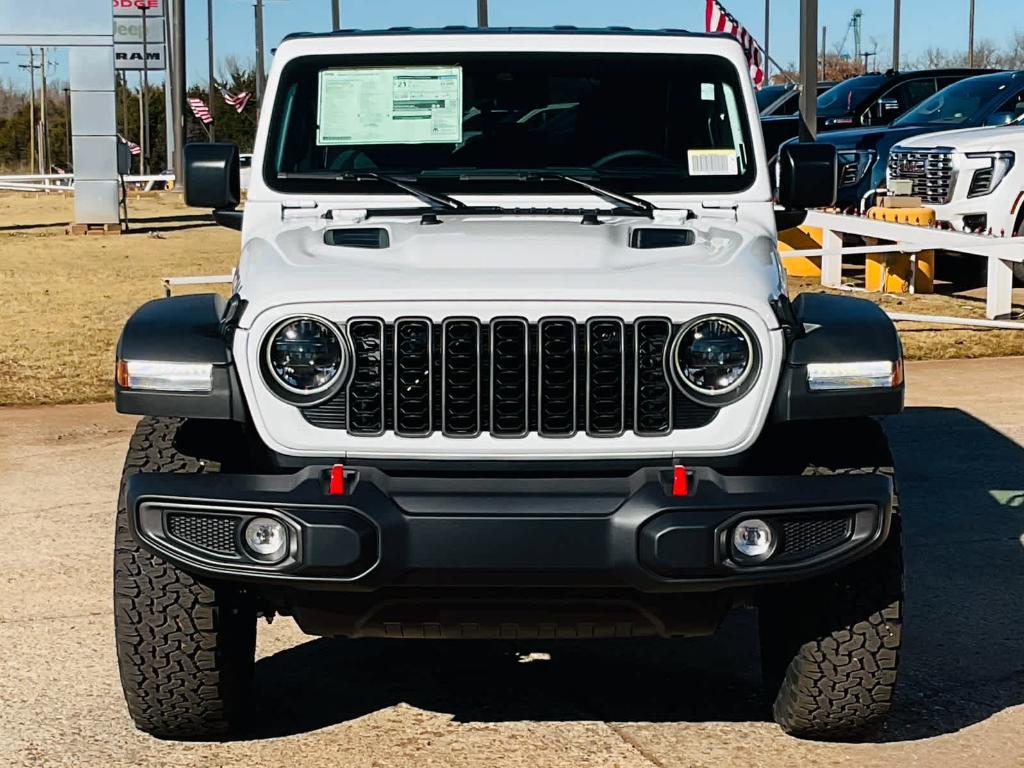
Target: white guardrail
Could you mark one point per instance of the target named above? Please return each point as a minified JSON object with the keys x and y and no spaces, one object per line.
{"x":65,"y":182}
{"x":1001,"y":252}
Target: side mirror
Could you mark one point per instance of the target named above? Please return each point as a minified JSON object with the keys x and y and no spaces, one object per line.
{"x":211,"y":176}
{"x":808,"y":176}
{"x":886,"y":109}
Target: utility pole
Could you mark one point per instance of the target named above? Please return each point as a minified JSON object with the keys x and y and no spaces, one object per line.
{"x":67,"y":128}
{"x":44,"y":140}
{"x":481,"y":13}
{"x":335,"y":15}
{"x":144,"y":128}
{"x":896,"y":35}
{"x":970,"y":39}
{"x":209,"y":38}
{"x":123,"y":79}
{"x":31,"y":109}
{"x":808,"y":70}
{"x":261,"y":75}
{"x":177,"y":86}
{"x":824,"y":52}
{"x":767,"y":36}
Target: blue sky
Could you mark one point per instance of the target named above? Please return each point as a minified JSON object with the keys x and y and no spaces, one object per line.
{"x":926,"y":23}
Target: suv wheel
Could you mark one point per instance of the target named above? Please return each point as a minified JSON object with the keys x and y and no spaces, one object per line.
{"x":830,"y":646}
{"x":186,"y":650}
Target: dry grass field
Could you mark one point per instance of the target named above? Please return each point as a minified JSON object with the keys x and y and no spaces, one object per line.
{"x":63,"y":299}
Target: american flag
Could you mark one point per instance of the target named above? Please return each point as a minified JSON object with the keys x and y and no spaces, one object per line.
{"x":200,"y":110}
{"x":720,"y":20}
{"x":134,"y":148}
{"x":239,"y":102}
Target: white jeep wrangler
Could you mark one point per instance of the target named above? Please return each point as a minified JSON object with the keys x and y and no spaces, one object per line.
{"x":509,"y":355}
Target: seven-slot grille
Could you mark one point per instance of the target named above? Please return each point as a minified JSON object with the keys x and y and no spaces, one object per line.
{"x":509,"y":377}
{"x":930,"y":172}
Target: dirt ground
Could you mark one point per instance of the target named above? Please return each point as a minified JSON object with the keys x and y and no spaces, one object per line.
{"x":665,"y":704}
{"x":64,"y":299}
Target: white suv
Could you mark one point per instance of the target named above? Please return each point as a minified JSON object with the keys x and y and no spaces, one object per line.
{"x":973,"y":178}
{"x":509,"y":356}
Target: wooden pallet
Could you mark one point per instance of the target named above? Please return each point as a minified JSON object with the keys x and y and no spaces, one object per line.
{"x":93,"y":229}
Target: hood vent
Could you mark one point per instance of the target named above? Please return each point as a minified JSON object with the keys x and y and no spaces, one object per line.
{"x":661,"y":238}
{"x":369,"y":237}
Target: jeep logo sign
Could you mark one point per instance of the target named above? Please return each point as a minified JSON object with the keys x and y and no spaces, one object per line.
{"x":130,"y":56}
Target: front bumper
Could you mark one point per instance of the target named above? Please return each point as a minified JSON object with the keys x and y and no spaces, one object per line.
{"x":618,"y":532}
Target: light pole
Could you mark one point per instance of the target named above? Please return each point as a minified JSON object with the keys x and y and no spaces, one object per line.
{"x":896,"y":35}
{"x":970,"y":39}
{"x":67,"y":128}
{"x":481,"y":13}
{"x":808,"y":70}
{"x":177,"y":21}
{"x":209,"y":38}
{"x":261,"y":74}
{"x":767,"y":36}
{"x":335,"y":15}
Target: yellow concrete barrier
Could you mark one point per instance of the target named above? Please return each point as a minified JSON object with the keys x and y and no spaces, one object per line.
{"x":801,"y":239}
{"x":891,"y":272}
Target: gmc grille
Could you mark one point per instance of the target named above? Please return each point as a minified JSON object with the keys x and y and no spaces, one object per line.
{"x":509,"y":378}
{"x":930,"y":172}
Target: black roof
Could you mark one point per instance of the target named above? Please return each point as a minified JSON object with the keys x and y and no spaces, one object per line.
{"x":558,"y":29}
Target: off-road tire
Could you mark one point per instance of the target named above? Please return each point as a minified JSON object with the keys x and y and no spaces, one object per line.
{"x":185,"y":649}
{"x":830,"y":646}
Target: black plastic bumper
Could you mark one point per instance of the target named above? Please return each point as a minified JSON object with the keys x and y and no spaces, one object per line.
{"x":625,"y":531}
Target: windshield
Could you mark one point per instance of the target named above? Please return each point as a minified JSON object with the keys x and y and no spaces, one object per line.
{"x":963,"y":103}
{"x":847,"y":97}
{"x":769,"y":95}
{"x":480,"y":121}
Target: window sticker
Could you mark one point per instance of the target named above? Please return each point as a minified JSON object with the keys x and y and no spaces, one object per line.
{"x":390,"y":105}
{"x":707,"y":91}
{"x":713,"y":162}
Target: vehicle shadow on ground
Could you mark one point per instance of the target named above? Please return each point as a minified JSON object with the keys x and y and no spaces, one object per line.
{"x":963,"y":505}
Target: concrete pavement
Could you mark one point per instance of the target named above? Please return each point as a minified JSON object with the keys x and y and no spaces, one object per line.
{"x":960,"y":453}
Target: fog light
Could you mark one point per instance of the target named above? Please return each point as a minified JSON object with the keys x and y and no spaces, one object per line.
{"x":266,"y":538}
{"x":753,"y":539}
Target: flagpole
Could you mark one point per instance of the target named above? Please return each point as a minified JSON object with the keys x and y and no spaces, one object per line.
{"x":767,"y":36}
{"x":209,"y":37}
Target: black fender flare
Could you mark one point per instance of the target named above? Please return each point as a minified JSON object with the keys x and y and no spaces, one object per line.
{"x":832,"y":329}
{"x":183,"y":329}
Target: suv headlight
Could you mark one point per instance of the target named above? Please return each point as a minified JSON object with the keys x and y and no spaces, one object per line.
{"x":305,"y":360}
{"x":714,"y":360}
{"x":986,"y":179}
{"x":854,"y":165}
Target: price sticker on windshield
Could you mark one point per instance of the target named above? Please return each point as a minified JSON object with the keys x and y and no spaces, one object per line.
{"x":713,"y":162}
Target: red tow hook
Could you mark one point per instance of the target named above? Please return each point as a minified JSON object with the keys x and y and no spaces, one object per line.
{"x":336,"y":484}
{"x":680,"y":482}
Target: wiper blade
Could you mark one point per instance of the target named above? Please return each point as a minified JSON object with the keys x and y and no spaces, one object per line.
{"x":619,"y":199}
{"x":435,"y":200}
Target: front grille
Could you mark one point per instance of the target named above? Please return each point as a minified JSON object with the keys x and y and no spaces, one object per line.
{"x":806,"y":535}
{"x":509,"y":378}
{"x":930,"y":172}
{"x":215,"y":533}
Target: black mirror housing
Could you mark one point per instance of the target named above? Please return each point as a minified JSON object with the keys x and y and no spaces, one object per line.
{"x":211,"y":176}
{"x":808,"y":176}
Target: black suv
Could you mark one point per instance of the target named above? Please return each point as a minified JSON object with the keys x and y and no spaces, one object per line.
{"x":875,"y":99}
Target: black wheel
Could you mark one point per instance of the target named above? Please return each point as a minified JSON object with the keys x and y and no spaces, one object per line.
{"x":186,"y":650}
{"x":830,"y":646}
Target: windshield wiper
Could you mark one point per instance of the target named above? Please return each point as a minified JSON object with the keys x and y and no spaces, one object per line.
{"x":632,"y":203}
{"x":435,"y":200}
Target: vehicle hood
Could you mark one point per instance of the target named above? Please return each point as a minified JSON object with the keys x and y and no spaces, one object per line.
{"x":506,"y":258}
{"x":990,"y":139}
{"x":879,"y":138}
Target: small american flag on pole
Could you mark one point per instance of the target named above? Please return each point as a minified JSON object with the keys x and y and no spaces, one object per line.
{"x":239,"y":102}
{"x":720,"y":20}
{"x":134,"y":148}
{"x":200,"y":110}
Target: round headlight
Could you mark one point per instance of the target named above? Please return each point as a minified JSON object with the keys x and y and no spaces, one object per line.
{"x":713,"y":356}
{"x":305,"y":356}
